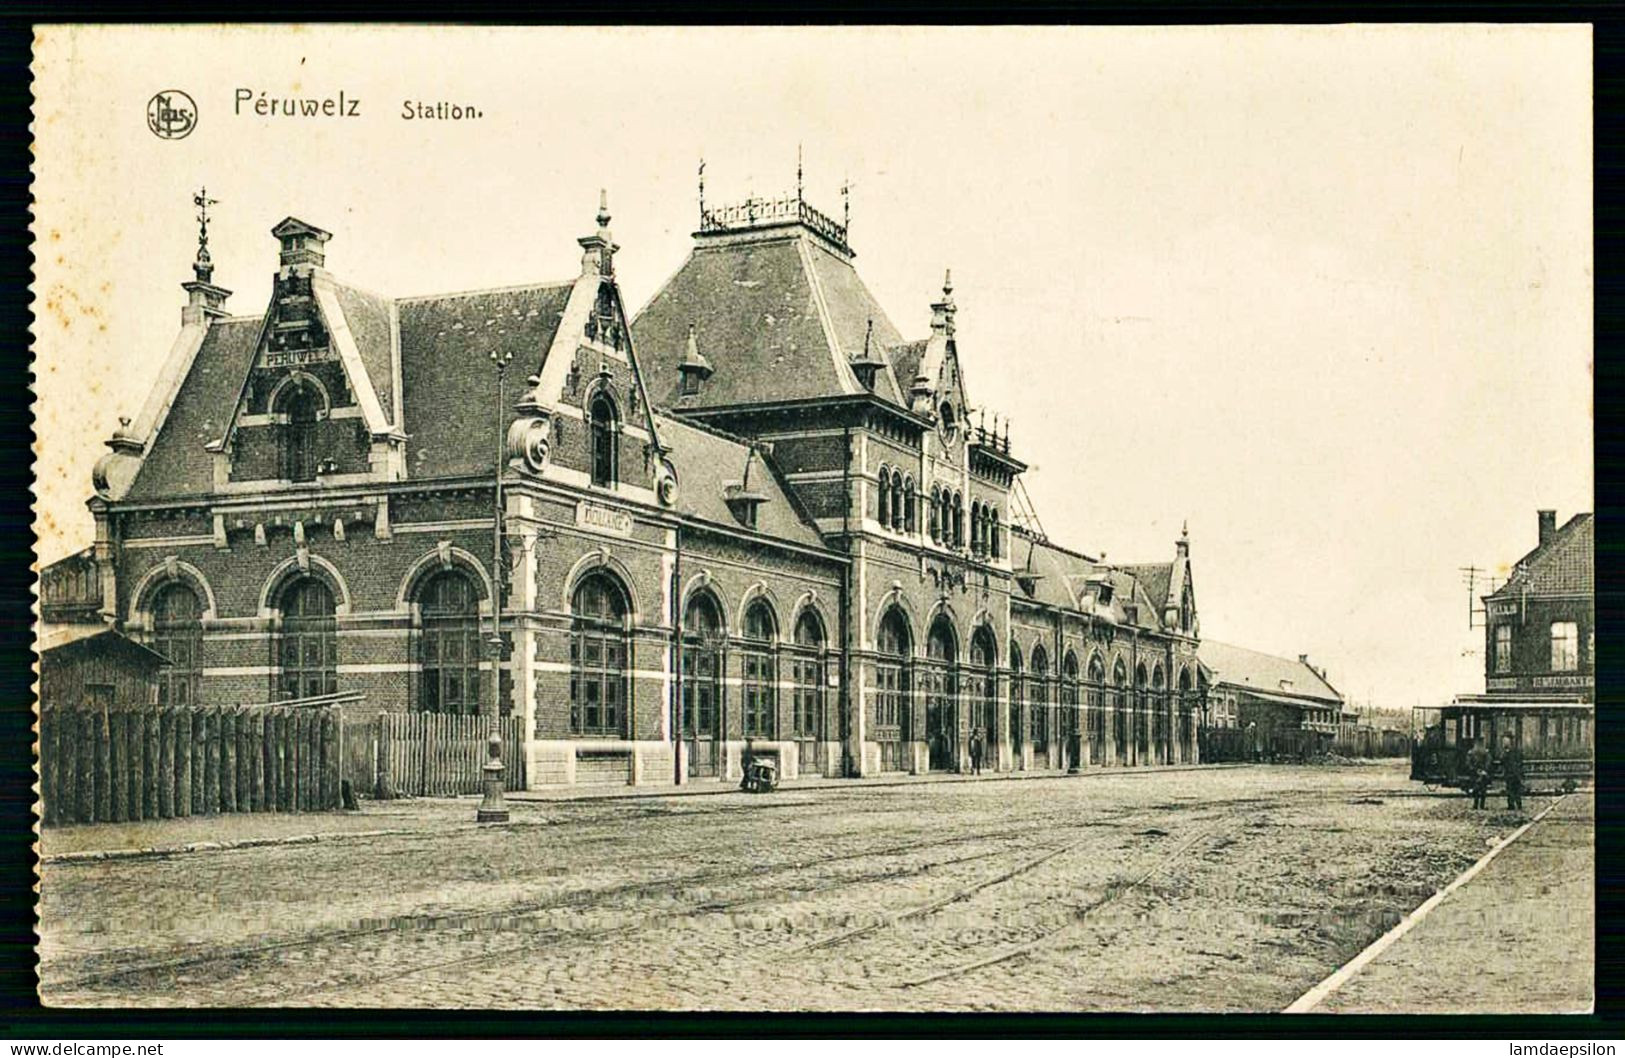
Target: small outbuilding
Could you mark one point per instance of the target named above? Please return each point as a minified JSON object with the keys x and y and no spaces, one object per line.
{"x":97,"y":665}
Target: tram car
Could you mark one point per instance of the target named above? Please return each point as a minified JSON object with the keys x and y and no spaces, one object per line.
{"x":1555,"y":735}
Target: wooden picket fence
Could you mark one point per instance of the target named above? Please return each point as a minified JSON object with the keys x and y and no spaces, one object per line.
{"x":150,"y":762}
{"x":440,"y":755}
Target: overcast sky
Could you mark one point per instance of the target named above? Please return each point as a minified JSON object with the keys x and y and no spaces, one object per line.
{"x":1325,"y":292}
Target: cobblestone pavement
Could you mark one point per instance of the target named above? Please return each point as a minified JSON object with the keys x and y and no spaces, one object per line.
{"x":1231,"y":889}
{"x":1525,"y":917}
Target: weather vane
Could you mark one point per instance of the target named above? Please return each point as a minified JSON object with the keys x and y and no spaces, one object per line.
{"x":202,"y":201}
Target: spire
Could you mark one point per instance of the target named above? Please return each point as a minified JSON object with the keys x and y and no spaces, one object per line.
{"x":942,"y":312}
{"x":1182,"y":546}
{"x":599,"y":248}
{"x":204,"y":299}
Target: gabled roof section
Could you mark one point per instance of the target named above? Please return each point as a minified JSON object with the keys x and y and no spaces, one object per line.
{"x":778,"y":314}
{"x":449,"y":388}
{"x":1265,"y":673}
{"x":905,"y":361}
{"x":372,"y":327}
{"x":1154,"y":578}
{"x":1564,"y":565}
{"x":707,"y":462}
{"x":176,"y":462}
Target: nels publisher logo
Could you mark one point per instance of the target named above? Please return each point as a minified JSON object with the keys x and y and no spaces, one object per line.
{"x":171,"y":114}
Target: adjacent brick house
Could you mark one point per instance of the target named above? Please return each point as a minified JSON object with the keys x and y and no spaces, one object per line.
{"x":753,"y":518}
{"x":1540,"y":626}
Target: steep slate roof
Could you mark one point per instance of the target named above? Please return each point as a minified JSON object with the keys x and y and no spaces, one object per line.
{"x":1257,"y":671}
{"x":707,"y":462}
{"x":905,"y":361}
{"x":1154,"y":578}
{"x":1064,"y":576}
{"x":178,"y":464}
{"x":759,"y":309}
{"x":368,"y":316}
{"x":1564,"y":565}
{"x":447,"y":380}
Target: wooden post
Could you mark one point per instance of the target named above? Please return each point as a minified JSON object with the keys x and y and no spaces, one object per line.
{"x":256,"y":760}
{"x":150,"y":772}
{"x":164,"y":726}
{"x":313,"y":751}
{"x":117,"y":768}
{"x":48,"y":771}
{"x":211,"y":760}
{"x":186,"y":798}
{"x":296,"y":758}
{"x":84,"y":728}
{"x":330,"y":759}
{"x":104,"y":767}
{"x":228,"y":760}
{"x":381,"y":778}
{"x":284,"y":762}
{"x":136,"y":741}
{"x":245,"y":762}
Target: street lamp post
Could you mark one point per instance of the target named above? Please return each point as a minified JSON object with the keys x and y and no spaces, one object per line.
{"x":494,"y":645}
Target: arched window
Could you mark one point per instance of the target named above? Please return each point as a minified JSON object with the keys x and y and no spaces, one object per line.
{"x":1187,"y":705}
{"x":897,"y":500}
{"x":449,"y":644}
{"x":959,"y":520}
{"x":984,"y":658}
{"x":177,"y":634}
{"x":606,"y":459}
{"x":1142,"y":734}
{"x":598,"y":656}
{"x":976,"y":527}
{"x":885,"y":495}
{"x":1159,"y":714}
{"x":307,"y":643}
{"x":909,"y":525}
{"x":1016,"y":696}
{"x":994,"y":547}
{"x":702,"y":681}
{"x":761,"y":683}
{"x":934,"y":515}
{"x":1069,"y":702}
{"x":1095,"y":709}
{"x":941,"y":684}
{"x":301,"y":406}
{"x":1120,"y":706}
{"x":1038,"y":727}
{"x":893,"y":688}
{"x":807,"y":673}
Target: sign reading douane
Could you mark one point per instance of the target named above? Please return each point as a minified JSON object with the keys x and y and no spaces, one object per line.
{"x":603,"y":519}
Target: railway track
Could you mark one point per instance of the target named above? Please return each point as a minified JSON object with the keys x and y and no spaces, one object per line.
{"x":1022,"y":839}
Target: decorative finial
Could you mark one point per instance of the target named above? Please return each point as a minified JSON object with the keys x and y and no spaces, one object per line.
{"x":124,"y":422}
{"x":603,"y":208}
{"x":868,"y":335}
{"x":798,"y":172}
{"x":1185,"y":530}
{"x":203,"y":267}
{"x":948,"y":284}
{"x":846,"y":204}
{"x":702,"y":192}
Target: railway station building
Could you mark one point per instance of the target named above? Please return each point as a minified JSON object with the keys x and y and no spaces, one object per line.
{"x":753,"y":518}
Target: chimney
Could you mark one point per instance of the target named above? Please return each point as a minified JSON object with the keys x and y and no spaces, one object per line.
{"x":1548,"y":526}
{"x":303,"y":245}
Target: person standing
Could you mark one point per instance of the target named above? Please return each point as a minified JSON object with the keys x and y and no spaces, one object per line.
{"x":976,"y":751}
{"x":1512,"y":771}
{"x":1478,"y":773}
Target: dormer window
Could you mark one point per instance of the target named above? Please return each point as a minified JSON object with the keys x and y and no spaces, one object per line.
{"x":300,"y":406}
{"x":945,"y":420}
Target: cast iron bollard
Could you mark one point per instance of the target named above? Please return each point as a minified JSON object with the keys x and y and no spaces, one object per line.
{"x":493,"y":809}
